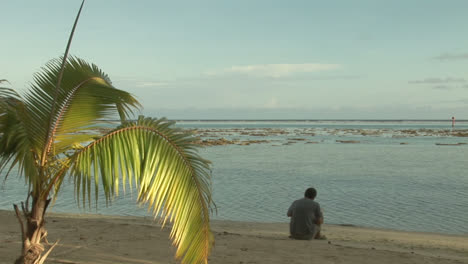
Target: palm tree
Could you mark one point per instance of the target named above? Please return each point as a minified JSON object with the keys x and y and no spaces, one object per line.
{"x":52,"y":132}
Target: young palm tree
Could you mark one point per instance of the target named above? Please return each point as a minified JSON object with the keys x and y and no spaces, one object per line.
{"x":52,"y":133}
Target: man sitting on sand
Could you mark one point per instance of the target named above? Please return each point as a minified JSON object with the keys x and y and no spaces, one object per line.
{"x":306,"y":217}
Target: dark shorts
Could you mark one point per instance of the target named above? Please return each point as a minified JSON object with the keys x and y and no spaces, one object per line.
{"x":307,"y":236}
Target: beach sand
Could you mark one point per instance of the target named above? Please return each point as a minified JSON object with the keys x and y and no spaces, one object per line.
{"x":116,"y":239}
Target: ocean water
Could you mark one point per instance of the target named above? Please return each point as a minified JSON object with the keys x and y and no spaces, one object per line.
{"x":404,"y":175}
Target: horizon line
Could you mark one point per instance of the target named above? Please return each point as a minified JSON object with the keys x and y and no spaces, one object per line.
{"x":308,"y":120}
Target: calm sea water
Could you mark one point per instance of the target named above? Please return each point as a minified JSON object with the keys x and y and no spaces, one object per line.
{"x":388,"y":180}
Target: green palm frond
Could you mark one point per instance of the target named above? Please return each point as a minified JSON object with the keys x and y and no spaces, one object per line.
{"x":15,"y":147}
{"x":87,"y":103}
{"x":84,"y":98}
{"x":171,"y":177}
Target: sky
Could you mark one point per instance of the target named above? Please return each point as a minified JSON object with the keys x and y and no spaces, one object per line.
{"x":256,"y":59}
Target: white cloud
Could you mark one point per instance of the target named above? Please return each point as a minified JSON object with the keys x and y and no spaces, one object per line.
{"x":135,"y":82}
{"x":272,"y":103}
{"x":452,"y":56}
{"x":438,"y":81}
{"x":151,"y":84}
{"x":275,"y":70}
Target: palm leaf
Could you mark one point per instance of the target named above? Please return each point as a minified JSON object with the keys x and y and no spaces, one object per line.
{"x":171,"y":178}
{"x":84,"y":98}
{"x":87,"y":103}
{"x":15,"y":145}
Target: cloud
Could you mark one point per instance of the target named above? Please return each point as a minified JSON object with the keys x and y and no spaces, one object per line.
{"x":452,"y":56}
{"x":272,"y":103}
{"x":274,"y":70}
{"x":151,"y":84}
{"x":135,"y":82}
{"x":448,"y":83}
{"x":443,"y":87}
{"x":447,"y":80}
{"x":450,"y":87}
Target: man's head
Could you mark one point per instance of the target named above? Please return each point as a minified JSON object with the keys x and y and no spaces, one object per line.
{"x":310,"y":193}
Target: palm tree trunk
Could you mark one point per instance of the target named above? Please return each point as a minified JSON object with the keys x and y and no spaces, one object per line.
{"x":33,"y":231}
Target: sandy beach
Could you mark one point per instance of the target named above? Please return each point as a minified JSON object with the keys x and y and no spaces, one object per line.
{"x":116,"y":239}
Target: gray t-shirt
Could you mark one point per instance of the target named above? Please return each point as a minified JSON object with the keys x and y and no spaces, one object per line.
{"x":305,"y":213}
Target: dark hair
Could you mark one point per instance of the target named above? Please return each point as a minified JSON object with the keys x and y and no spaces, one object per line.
{"x":310,"y":193}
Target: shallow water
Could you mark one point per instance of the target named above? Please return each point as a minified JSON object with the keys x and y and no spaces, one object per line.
{"x":419,"y":186}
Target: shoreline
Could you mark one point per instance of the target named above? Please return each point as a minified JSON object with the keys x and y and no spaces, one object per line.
{"x":127,"y":239}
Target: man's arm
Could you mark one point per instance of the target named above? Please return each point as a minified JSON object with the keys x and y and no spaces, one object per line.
{"x":319,"y":216}
{"x":319,"y":221}
{"x":290,"y":210}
